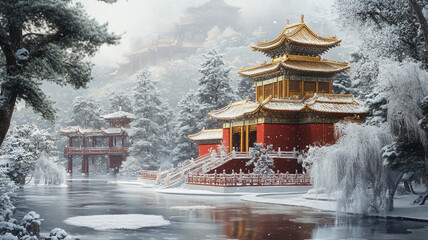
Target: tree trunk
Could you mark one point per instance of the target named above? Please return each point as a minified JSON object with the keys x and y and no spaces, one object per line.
{"x":7,"y":105}
{"x":423,"y":23}
{"x":391,"y":193}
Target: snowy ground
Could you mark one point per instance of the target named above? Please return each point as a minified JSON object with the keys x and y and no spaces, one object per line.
{"x":402,"y":204}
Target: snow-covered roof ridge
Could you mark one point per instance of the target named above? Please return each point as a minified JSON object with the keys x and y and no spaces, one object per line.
{"x":77,"y":130}
{"x":118,"y":114}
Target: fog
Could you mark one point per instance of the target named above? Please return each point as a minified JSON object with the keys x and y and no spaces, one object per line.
{"x":138,"y":21}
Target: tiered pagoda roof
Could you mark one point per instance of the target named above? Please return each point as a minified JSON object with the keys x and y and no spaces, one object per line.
{"x":297,"y":39}
{"x":207,"y":136}
{"x":320,"y":103}
{"x":294,"y":63}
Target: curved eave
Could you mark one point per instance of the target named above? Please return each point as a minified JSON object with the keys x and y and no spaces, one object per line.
{"x":216,"y":114}
{"x":210,"y":135}
{"x":260,"y":70}
{"x":286,"y":35}
{"x":334,"y":68}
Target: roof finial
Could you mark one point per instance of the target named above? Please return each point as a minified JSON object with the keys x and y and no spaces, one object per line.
{"x":302,"y":17}
{"x":288,"y":21}
{"x":120,"y":109}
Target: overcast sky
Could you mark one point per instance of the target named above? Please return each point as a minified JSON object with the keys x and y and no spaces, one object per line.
{"x":139,"y":20}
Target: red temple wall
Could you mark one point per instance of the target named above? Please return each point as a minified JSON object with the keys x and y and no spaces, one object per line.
{"x":279,"y":135}
{"x":205,"y":148}
{"x":226,"y":138}
{"x":316,"y":134}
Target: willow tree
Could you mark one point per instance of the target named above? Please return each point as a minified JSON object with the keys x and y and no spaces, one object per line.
{"x":44,"y":40}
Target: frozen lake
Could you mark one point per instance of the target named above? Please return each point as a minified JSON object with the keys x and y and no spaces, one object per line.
{"x":81,"y":200}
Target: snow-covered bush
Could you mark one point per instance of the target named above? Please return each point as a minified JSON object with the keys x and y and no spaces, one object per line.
{"x":131,"y":166}
{"x":48,"y":171}
{"x":353,"y":170}
{"x":7,"y":187}
{"x":262,"y":162}
{"x":59,"y":234}
{"x":23,"y":147}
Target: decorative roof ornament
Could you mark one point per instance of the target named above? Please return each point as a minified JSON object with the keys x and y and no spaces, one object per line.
{"x":288,"y":21}
{"x":302,"y":18}
{"x":120,"y":109}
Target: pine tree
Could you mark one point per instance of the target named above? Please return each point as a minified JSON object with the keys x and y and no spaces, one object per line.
{"x":342,"y":83}
{"x":246,"y":89}
{"x":44,"y":40}
{"x":86,"y":112}
{"x":187,"y":124}
{"x":261,"y":160}
{"x":120,"y":100}
{"x":148,"y":145}
{"x":215,"y":90}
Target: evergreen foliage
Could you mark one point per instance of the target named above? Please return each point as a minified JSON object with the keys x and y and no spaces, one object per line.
{"x":262,"y":162}
{"x":148,"y":141}
{"x":342,"y":83}
{"x":86,"y":112}
{"x":187,"y":124}
{"x":120,"y":100}
{"x":44,"y":40}
{"x":246,"y":89}
{"x":215,"y":90}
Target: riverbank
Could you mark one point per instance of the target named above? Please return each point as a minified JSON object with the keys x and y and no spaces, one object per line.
{"x":403,"y":209}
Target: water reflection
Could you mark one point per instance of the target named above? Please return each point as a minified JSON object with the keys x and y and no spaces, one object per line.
{"x":215,"y":218}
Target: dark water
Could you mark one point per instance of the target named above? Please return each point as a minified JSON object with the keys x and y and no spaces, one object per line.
{"x":229,"y":218}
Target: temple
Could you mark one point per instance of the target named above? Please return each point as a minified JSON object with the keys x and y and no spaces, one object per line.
{"x":294,"y":106}
{"x":111,"y":142}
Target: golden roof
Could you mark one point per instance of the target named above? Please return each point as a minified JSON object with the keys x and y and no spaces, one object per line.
{"x":207,"y":135}
{"x":322,"y":103}
{"x":296,"y":63}
{"x":300,"y":34}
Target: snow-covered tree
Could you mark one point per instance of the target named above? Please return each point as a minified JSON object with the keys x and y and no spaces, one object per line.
{"x":120,"y":100}
{"x":389,"y":69}
{"x":342,"y":83}
{"x":353,"y":170}
{"x":44,"y":40}
{"x":23,"y":147}
{"x":261,"y":160}
{"x":86,"y":112}
{"x":246,"y":89}
{"x":187,"y":123}
{"x":215,"y":90}
{"x":146,"y":133}
{"x":48,"y":170}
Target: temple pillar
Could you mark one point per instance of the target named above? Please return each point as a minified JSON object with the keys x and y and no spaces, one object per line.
{"x":230,"y":139}
{"x":247,"y":137}
{"x":242,"y":147}
{"x":85,"y":165}
{"x":70,"y":165}
{"x":123,"y":141}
